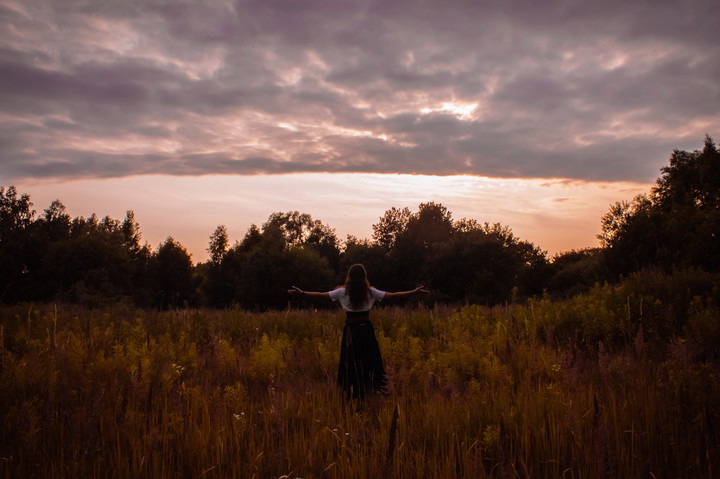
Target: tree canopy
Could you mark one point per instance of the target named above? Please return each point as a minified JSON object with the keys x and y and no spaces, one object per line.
{"x":676,"y":225}
{"x":52,"y":256}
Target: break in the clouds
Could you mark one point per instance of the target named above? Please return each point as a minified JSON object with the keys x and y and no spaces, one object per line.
{"x":565,"y":89}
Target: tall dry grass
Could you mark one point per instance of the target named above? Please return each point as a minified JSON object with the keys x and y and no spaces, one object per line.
{"x":475,"y":392}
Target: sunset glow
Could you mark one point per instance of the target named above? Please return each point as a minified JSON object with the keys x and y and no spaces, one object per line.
{"x":556,"y":215}
{"x":194,"y":114}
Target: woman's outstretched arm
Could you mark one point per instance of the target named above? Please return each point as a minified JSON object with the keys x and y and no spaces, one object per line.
{"x":295,"y":291}
{"x":403,"y":294}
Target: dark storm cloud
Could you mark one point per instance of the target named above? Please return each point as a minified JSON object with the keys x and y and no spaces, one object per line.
{"x":572,"y":89}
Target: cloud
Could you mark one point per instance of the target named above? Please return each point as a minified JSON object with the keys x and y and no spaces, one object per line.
{"x":580,"y":90}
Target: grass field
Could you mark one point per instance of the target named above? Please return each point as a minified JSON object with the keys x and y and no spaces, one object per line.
{"x":513,"y":391}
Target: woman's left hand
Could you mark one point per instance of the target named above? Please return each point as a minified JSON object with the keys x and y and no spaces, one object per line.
{"x":295,"y":291}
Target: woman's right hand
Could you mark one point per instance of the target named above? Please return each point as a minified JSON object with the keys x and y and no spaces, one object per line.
{"x":420,"y":290}
{"x":295,"y":291}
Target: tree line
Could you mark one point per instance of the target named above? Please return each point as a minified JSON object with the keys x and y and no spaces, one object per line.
{"x":53,"y":257}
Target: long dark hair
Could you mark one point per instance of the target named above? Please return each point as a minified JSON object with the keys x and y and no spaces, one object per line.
{"x":357,"y":286}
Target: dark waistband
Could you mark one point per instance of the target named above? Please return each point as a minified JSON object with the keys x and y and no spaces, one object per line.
{"x":354,"y":317}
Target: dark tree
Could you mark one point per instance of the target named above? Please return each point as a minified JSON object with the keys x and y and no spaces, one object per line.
{"x":218,"y":244}
{"x":431,"y":225}
{"x":55,"y":222}
{"x":16,"y":213}
{"x":222,"y":285}
{"x":459,"y":261}
{"x":690,"y":181}
{"x":131,"y":233}
{"x":575,"y":271}
{"x":426,"y":231}
{"x":473,"y":267}
{"x":299,"y":229}
{"x":271,"y":262}
{"x":215,"y":284}
{"x":16,"y":252}
{"x":373,"y":256}
{"x":487,"y":264}
{"x":172,"y":272}
{"x":391,"y":225}
{"x":676,"y":226}
{"x":89,"y":267}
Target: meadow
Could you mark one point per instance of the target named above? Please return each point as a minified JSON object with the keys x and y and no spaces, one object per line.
{"x":595,"y":386}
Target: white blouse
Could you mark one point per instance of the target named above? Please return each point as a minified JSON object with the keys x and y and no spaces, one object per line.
{"x":339,"y":294}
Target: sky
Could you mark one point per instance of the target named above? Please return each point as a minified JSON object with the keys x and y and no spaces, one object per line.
{"x":537,"y":115}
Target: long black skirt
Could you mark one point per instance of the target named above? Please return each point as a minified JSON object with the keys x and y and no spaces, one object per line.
{"x":361,"y":370}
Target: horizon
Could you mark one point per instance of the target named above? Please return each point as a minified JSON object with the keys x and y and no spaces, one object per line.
{"x":555,"y":215}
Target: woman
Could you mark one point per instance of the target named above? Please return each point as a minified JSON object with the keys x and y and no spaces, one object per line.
{"x":361,"y":368}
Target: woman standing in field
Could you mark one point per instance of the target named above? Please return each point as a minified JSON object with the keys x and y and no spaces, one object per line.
{"x":361,"y":368}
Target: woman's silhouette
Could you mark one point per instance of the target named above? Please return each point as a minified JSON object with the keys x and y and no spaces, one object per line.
{"x":361,"y":370}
